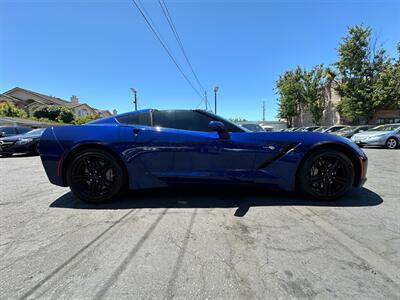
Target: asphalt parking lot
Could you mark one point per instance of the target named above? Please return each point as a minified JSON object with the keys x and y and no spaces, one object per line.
{"x":199,"y":243}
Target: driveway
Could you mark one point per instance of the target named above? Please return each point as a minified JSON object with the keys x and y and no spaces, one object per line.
{"x":202,"y":243}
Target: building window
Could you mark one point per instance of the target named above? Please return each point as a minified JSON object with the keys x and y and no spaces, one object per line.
{"x":388,"y":120}
{"x":83,"y":113}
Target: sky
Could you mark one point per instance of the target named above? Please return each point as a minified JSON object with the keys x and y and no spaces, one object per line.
{"x":98,"y":50}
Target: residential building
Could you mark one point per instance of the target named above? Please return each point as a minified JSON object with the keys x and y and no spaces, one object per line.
{"x":30,"y":100}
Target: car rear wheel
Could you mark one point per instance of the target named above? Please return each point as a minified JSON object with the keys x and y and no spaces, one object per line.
{"x":392,"y":143}
{"x":95,"y":176}
{"x":326,"y":175}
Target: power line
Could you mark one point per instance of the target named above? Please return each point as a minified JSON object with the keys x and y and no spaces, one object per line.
{"x":163,"y":44}
{"x":178,"y":39}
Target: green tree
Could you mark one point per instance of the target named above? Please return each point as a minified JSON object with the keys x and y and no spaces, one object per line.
{"x":359,"y":67}
{"x":83,"y":120}
{"x":235,"y":120}
{"x":387,"y":86}
{"x":55,"y":113}
{"x":8,"y":109}
{"x":314,"y":86}
{"x":290,"y":90}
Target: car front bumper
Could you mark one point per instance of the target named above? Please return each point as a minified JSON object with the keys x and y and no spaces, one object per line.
{"x":363,"y":170}
{"x":11,"y":148}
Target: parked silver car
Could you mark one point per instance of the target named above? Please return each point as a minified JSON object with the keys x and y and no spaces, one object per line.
{"x":387,"y":135}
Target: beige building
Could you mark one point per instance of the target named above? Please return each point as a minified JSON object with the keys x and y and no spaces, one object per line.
{"x":331,"y":115}
{"x":30,"y":100}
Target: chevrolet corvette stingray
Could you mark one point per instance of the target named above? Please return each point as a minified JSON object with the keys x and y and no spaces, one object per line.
{"x":159,"y":148}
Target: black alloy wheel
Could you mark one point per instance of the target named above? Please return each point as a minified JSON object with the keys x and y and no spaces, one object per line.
{"x":326,"y":175}
{"x":95,"y":176}
{"x":392,"y":143}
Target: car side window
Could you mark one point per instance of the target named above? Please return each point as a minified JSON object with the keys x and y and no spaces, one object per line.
{"x":181,"y":119}
{"x":142,"y":118}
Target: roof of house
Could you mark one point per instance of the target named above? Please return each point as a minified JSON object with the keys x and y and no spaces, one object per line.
{"x":9,"y":97}
{"x":53,"y":99}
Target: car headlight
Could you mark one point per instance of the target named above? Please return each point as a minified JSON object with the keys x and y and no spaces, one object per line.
{"x":23,"y":141}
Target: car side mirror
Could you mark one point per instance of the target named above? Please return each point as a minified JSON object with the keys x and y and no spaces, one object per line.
{"x":220,"y":128}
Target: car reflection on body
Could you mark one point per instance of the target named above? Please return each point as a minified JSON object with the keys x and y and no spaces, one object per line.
{"x":21,"y":143}
{"x":348,"y":132}
{"x":387,"y":135}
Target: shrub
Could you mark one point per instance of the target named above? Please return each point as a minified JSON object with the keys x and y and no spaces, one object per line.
{"x":56,"y":113}
{"x":8,"y":109}
{"x":80,"y":121}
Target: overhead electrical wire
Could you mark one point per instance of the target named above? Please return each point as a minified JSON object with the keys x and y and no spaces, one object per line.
{"x":153,"y":28}
{"x":171,"y":24}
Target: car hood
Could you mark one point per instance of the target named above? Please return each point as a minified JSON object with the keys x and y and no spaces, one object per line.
{"x":371,"y":133}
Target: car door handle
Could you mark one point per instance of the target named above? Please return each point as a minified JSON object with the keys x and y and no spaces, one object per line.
{"x":136,"y":131}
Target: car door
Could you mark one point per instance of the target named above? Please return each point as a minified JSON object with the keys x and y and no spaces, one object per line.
{"x":199,"y":153}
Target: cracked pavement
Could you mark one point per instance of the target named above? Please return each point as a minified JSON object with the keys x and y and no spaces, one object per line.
{"x":203,"y":243}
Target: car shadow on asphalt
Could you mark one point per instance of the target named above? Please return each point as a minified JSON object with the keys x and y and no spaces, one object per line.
{"x":216,"y":197}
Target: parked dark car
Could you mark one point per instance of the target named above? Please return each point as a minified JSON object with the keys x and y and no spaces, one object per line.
{"x":348,"y":132}
{"x":13,"y":130}
{"x":320,"y":129}
{"x":311,"y":128}
{"x":21,"y":143}
{"x":334,"y":128}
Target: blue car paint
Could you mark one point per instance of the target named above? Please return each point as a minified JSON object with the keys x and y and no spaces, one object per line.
{"x":159,"y":157}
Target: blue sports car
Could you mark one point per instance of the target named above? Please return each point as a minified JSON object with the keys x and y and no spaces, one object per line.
{"x":158,"y":148}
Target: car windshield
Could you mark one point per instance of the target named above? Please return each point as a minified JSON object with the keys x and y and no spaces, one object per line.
{"x":34,"y":132}
{"x":320,"y":129}
{"x":345,"y":129}
{"x":388,"y":127}
{"x":253,"y":127}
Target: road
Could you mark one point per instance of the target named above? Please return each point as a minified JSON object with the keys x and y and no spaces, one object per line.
{"x":199,"y":244}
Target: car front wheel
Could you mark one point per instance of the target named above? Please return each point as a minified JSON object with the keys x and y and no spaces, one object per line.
{"x":326,"y":175}
{"x":392,"y":143}
{"x":95,"y":176}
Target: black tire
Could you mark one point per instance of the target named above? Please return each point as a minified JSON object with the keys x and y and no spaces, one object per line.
{"x":95,"y":176}
{"x":392,"y":143}
{"x":6,"y":155}
{"x":326,"y":175}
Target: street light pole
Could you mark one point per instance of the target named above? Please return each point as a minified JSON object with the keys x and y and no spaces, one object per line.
{"x":135,"y":99}
{"x":263,"y":110}
{"x":215,"y":98}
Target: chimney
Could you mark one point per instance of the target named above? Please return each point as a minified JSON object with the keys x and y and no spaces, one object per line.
{"x":74,"y":99}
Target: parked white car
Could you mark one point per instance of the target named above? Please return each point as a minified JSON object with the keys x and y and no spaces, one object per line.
{"x":387,"y":135}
